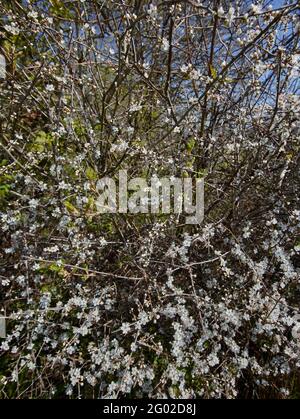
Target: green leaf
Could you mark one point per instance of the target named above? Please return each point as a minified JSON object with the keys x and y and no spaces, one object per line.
{"x":202,"y":173}
{"x":41,"y":141}
{"x":190,"y":145}
{"x":213,"y":72}
{"x":91,"y":174}
{"x":4,"y":190}
{"x":70,"y":207}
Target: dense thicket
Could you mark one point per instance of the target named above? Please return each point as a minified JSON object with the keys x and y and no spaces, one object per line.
{"x":119,"y":305}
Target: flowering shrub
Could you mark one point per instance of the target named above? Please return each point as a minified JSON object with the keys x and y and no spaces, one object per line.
{"x":142,"y":305}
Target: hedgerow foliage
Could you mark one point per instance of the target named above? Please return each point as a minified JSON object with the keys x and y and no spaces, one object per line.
{"x":142,"y":305}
